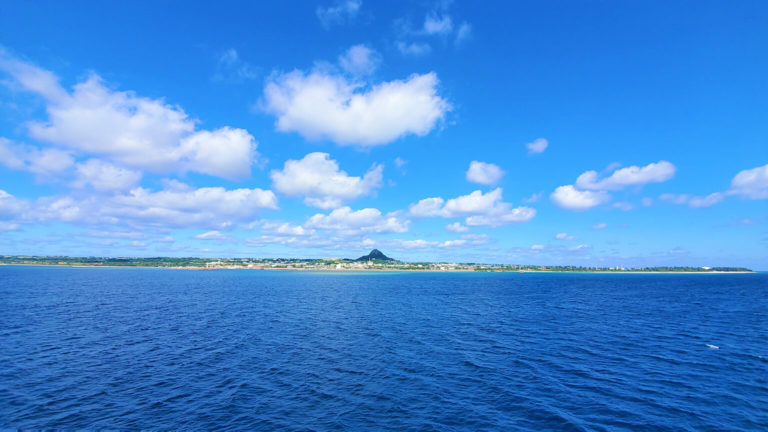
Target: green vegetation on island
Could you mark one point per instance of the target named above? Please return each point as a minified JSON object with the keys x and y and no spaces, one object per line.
{"x":374,"y":261}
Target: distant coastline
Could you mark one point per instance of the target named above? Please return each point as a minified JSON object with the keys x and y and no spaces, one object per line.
{"x":374,"y":270}
{"x":340,"y":265}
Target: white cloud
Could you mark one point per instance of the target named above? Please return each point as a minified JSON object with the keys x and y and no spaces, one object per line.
{"x":321,"y":182}
{"x":565,"y":236}
{"x":646,"y":201}
{"x":568,"y":197}
{"x":7,"y":226}
{"x":46,"y":163}
{"x":341,"y":12}
{"x":692,"y":200}
{"x":325,"y":106}
{"x":103,"y":176}
{"x":213,"y":235}
{"x":32,"y":78}
{"x":427,"y":207}
{"x":537,"y":146}
{"x":360,"y":60}
{"x":630,"y":176}
{"x":224,"y":152}
{"x":478,"y":208}
{"x":484,"y":173}
{"x":502,"y":214}
{"x":10,"y":206}
{"x":675,"y":198}
{"x":589,"y":191}
{"x":751,"y":183}
{"x":456,"y":227}
{"x":414,"y":48}
{"x":436,"y":24}
{"x":414,"y":244}
{"x":400,"y":162}
{"x":232,"y":68}
{"x":463,"y":33}
{"x":475,"y":203}
{"x":129,"y":130}
{"x":600,"y":225}
{"x":452,"y":243}
{"x":237,"y":204}
{"x":533,"y":198}
{"x":707,"y":201}
{"x":284,"y":228}
{"x":213,"y":207}
{"x":368,"y":220}
{"x":476,"y":239}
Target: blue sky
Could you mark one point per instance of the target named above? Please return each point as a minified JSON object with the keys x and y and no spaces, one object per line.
{"x":585,"y":133}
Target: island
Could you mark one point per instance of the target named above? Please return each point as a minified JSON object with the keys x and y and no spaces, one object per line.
{"x":373,"y":261}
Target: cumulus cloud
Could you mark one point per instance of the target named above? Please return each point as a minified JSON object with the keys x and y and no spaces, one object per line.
{"x":590,"y":191}
{"x":340,"y":12}
{"x":103,"y":176}
{"x":570,"y":198}
{"x":537,"y":146}
{"x":213,"y":207}
{"x":464,"y":33}
{"x":230,"y":67}
{"x":477,"y":208}
{"x":707,"y":201}
{"x":130,"y":130}
{"x":427,"y":207}
{"x":623,"y":206}
{"x":236,"y":204}
{"x":600,"y":225}
{"x":8,"y":226}
{"x":751,"y":183}
{"x":320,"y":105}
{"x":10,"y":206}
{"x":565,"y":236}
{"x":484,"y":173}
{"x":360,"y":60}
{"x":45,"y":163}
{"x":463,"y":241}
{"x":283,"y":228}
{"x":646,"y":201}
{"x":347,"y":222}
{"x":213,"y":235}
{"x":630,"y":176}
{"x":533,"y":198}
{"x":437,"y":24}
{"x":414,"y":48}
{"x":321,"y":182}
{"x":693,"y":201}
{"x":456,"y":227}
{"x":476,"y":202}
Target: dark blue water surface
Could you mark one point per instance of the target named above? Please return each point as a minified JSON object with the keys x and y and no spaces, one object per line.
{"x":264,"y":350}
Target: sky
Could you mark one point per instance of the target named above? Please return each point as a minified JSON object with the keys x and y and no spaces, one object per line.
{"x":586,"y":133}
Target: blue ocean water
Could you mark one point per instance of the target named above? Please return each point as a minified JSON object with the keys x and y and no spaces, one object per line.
{"x":265,"y":350}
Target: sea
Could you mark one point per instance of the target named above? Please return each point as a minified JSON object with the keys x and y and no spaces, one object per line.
{"x":156,"y":349}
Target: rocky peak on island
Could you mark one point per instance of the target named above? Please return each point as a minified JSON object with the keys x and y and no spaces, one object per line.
{"x":375,"y":255}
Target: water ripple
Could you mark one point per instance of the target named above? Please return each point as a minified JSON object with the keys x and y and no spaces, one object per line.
{"x":162,"y":349}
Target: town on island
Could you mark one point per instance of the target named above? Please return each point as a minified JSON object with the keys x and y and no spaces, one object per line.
{"x":374,"y":261}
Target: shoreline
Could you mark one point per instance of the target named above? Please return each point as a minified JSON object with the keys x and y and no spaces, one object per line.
{"x":381,"y":270}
